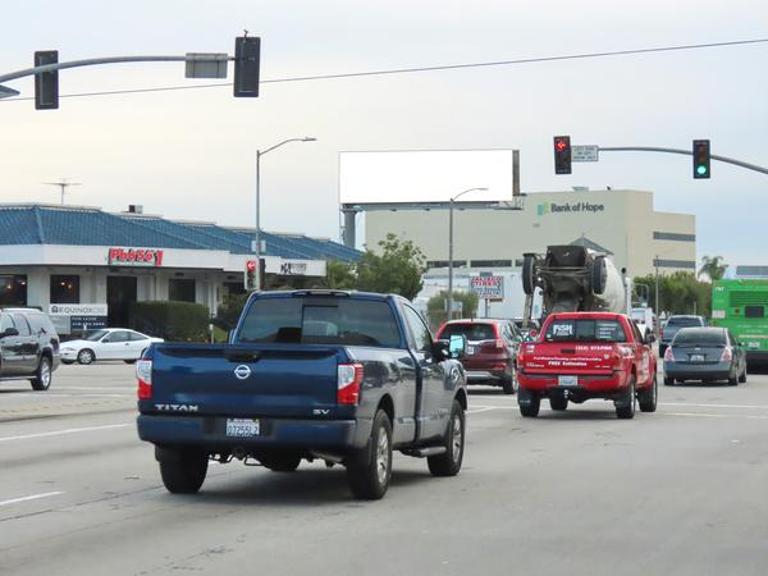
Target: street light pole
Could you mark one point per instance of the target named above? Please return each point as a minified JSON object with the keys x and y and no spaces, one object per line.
{"x":257,"y":235}
{"x":450,"y":246}
{"x":658,"y":312}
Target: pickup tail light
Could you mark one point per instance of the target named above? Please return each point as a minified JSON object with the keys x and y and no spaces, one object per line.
{"x":144,"y":376}
{"x":349,"y":382}
{"x":727,"y":354}
{"x":493,"y":346}
{"x":668,"y":355}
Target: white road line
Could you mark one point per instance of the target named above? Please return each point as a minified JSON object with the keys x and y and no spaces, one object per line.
{"x":479,"y":409}
{"x":28,"y":498}
{"x":707,"y":415}
{"x":684,"y":404}
{"x":63,"y":432}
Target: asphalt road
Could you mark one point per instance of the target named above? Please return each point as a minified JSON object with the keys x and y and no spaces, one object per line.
{"x":682,"y":491}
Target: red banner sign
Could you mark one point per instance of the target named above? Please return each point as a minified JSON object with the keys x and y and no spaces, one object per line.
{"x":135,"y":257}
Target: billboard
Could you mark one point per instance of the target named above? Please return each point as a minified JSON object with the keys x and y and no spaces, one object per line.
{"x":487,"y":287}
{"x":424,"y":176}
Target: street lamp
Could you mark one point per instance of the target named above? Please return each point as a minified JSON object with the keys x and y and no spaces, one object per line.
{"x":450,"y":246}
{"x":257,"y":239}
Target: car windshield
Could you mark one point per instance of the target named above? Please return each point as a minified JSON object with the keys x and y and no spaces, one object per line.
{"x":473,"y":332}
{"x":319,"y":320}
{"x":585,"y":330}
{"x":94,"y":335}
{"x":638,"y":316}
{"x":700,"y":337}
{"x":682,"y":321}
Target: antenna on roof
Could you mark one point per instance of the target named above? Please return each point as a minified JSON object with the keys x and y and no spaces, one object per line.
{"x":63,"y":184}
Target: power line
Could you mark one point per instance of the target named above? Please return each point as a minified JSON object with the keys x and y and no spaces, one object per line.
{"x":422,"y":69}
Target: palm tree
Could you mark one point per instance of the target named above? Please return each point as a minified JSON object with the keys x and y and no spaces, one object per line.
{"x":713,"y":267}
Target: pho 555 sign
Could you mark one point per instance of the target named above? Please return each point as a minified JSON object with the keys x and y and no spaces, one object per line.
{"x":487,"y":287}
{"x":135,"y":257}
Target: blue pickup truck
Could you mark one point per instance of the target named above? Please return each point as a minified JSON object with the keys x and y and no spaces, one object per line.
{"x":344,"y":377}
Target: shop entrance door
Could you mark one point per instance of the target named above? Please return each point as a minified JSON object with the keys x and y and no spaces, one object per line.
{"x":121,"y":294}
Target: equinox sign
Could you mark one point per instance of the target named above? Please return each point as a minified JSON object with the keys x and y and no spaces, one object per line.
{"x":242,"y":372}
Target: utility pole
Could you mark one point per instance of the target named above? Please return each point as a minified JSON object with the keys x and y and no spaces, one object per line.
{"x":63,"y":184}
{"x":658,"y":312}
{"x":451,"y":203}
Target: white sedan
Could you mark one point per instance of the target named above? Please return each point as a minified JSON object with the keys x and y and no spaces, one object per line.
{"x":107,"y":344}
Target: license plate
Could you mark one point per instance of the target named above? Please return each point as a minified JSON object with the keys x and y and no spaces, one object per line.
{"x":567,"y":380}
{"x":697,"y":358}
{"x":243,"y":427}
{"x":470,"y":350}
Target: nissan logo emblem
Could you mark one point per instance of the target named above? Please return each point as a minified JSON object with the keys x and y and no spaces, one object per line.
{"x":242,"y":372}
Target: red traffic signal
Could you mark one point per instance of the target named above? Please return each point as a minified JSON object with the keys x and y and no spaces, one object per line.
{"x":250,"y":265}
{"x":562,"y":154}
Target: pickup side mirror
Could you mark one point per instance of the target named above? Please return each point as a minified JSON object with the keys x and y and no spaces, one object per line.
{"x":10,"y":331}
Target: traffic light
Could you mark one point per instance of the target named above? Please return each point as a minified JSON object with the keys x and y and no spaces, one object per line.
{"x":562,"y":154}
{"x":47,"y":83}
{"x":701,"y":159}
{"x":247,"y":64}
{"x":250,"y":275}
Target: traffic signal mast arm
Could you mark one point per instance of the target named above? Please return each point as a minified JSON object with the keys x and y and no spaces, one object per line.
{"x":725,"y":159}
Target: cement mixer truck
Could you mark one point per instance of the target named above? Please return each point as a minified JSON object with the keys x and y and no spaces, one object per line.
{"x":574,"y":279}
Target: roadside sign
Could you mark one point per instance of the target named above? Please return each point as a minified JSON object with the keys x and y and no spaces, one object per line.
{"x":206,"y":65}
{"x":487,"y":287}
{"x":585,"y":153}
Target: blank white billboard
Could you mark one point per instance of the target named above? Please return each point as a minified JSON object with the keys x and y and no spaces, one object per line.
{"x":424,"y":175}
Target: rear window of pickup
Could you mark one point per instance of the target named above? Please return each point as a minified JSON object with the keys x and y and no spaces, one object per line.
{"x":317,"y":320}
{"x":585,"y":330}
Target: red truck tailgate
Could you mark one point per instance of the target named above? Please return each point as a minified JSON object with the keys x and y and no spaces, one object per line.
{"x":569,"y":358}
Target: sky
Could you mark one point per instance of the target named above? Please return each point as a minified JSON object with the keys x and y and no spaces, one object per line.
{"x":190,"y":154}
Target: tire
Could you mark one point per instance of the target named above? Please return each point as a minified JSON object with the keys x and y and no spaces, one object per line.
{"x":625,"y":409}
{"x":67,"y":362}
{"x":598,"y":275}
{"x":529,"y":403}
{"x":43,"y":375}
{"x":86,"y":356}
{"x":743,"y":377}
{"x":130,"y":361}
{"x":733,"y":381}
{"x":558,"y":403}
{"x":281,"y":462}
{"x":669,"y":381}
{"x":183,"y":471}
{"x":529,"y":274}
{"x":509,"y":383}
{"x":449,"y":464}
{"x":369,"y":473}
{"x":648,"y":399}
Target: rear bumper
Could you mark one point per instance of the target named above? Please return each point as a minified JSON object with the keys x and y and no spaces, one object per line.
{"x":687,"y":371}
{"x":758,"y":356}
{"x":484,"y":376}
{"x":210,"y":432}
{"x":593,"y":384}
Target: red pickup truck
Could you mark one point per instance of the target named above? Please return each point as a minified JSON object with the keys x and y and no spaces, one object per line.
{"x":583,"y":355}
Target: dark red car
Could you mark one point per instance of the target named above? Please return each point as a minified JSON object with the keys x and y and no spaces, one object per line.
{"x":491,"y":350}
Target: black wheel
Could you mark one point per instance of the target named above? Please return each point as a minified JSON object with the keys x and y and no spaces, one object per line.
{"x":67,"y":362}
{"x":669,"y":381}
{"x":130,"y":361}
{"x":598,"y":275}
{"x":529,"y":274}
{"x":369,"y":472}
{"x":648,"y":399}
{"x":743,"y":377}
{"x":183,"y":470}
{"x":281,"y":462}
{"x":509,"y":383}
{"x":85,"y":356}
{"x":734,"y":381}
{"x":43,"y":375}
{"x":449,"y":464}
{"x":529,"y":403}
{"x":558,"y":402}
{"x":625,"y":408}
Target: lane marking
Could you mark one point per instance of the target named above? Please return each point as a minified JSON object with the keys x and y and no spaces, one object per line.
{"x":28,"y":498}
{"x":64,"y":432}
{"x":479,"y":409}
{"x":707,"y":415}
{"x":755,"y":407}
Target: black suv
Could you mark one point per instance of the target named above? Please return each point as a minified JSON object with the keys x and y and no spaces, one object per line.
{"x":29,"y":347}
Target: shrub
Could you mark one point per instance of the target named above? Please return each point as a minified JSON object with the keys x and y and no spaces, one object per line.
{"x":173,"y":321}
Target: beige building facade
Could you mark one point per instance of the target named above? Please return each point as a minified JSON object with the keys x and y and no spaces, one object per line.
{"x":620,"y":222}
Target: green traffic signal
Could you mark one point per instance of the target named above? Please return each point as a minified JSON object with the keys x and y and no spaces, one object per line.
{"x":701,"y":170}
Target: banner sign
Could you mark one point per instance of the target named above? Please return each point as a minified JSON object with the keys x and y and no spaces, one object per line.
{"x":487,"y":287}
{"x":78,"y":309}
{"x":135,"y":257}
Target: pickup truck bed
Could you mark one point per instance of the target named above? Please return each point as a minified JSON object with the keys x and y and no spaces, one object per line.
{"x":337,"y":376}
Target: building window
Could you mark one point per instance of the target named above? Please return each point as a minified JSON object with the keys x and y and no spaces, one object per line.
{"x":13,"y":290}
{"x":65,"y":289}
{"x":234,"y":287}
{"x":674,"y":236}
{"x":491,"y":263}
{"x":444,"y":264}
{"x":181,"y":289}
{"x":684,"y":264}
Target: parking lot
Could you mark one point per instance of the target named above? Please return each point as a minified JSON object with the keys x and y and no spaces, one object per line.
{"x":681,"y":491}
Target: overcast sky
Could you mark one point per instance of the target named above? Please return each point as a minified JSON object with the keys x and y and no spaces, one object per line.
{"x":191,"y":154}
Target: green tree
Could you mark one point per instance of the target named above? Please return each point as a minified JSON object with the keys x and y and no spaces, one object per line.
{"x":713,"y":267}
{"x":397,"y":269}
{"x":679,"y":293}
{"x":340,"y":275}
{"x":437,"y":305}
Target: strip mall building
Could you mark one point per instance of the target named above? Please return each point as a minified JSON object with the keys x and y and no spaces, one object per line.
{"x":86,"y":266}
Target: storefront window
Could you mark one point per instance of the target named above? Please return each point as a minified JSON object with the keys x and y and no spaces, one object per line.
{"x":65,"y":289}
{"x":181,"y":289}
{"x":13,"y":290}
